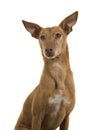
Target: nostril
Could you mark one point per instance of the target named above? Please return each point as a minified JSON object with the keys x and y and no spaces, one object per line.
{"x":46,"y":50}
{"x":50,"y":50}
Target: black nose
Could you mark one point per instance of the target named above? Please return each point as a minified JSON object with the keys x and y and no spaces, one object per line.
{"x":49,"y":52}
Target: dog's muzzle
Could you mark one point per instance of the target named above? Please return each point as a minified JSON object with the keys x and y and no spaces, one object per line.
{"x":49,"y":52}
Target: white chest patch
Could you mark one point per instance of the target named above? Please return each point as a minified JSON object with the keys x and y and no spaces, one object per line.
{"x":56,"y":101}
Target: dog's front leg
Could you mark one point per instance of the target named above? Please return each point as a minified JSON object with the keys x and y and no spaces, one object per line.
{"x":65,"y":124}
{"x":36,"y":123}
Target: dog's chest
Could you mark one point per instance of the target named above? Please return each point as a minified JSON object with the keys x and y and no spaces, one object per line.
{"x":57,"y":101}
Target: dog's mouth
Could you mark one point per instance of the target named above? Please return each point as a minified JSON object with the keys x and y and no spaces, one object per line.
{"x":49,"y":55}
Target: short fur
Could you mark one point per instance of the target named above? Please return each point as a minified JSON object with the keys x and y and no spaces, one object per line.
{"x":50,"y":104}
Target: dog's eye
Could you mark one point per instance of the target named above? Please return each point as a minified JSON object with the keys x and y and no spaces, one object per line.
{"x":42,"y":37}
{"x":57,"y":35}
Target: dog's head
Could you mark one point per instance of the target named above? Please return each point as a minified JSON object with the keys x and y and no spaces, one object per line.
{"x":53,"y":39}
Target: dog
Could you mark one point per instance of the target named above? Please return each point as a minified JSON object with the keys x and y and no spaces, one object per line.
{"x":51,"y":102}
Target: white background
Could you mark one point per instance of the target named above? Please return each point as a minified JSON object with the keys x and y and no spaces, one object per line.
{"x":20,"y":58}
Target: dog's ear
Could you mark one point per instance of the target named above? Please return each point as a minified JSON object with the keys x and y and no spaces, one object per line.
{"x":68,"y":22}
{"x":33,"y":28}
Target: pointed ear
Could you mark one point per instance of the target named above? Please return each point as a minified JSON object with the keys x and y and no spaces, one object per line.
{"x":68,"y":22}
{"x":33,"y":28}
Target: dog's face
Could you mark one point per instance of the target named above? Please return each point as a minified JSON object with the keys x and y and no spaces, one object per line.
{"x":52,"y":40}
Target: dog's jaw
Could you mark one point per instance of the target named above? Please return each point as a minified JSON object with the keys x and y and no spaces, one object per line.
{"x":49,"y":58}
{"x":57,"y":54}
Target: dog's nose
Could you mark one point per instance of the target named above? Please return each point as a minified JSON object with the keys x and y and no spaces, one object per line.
{"x":49,"y":52}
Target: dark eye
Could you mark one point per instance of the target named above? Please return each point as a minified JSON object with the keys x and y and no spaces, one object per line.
{"x":42,"y":37}
{"x":57,"y":35}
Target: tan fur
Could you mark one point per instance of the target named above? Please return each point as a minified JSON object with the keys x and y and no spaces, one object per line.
{"x":50,"y":104}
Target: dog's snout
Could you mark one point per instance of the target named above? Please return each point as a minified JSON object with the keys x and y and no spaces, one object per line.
{"x":49,"y":52}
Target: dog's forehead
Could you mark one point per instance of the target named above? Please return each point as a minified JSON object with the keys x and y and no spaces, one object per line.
{"x":50,"y":30}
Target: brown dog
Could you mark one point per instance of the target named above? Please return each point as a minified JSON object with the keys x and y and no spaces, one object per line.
{"x":50,"y":104}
